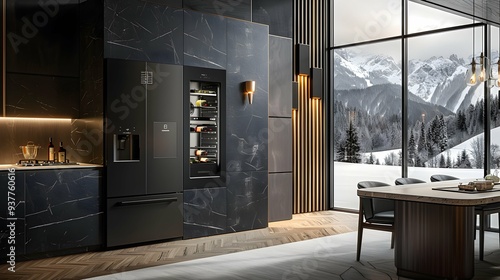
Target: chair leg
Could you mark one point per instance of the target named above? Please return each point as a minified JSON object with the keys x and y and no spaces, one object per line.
{"x":392,"y":240}
{"x":481,"y":235}
{"x":360,"y":231}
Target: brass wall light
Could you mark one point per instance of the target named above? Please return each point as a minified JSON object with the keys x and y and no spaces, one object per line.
{"x":249,"y":90}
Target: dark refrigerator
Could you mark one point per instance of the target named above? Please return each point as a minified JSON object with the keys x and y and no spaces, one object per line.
{"x":143,"y":151}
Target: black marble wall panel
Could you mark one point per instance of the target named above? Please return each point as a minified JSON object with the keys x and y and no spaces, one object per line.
{"x":280,"y":77}
{"x":42,"y":37}
{"x":17,"y":132}
{"x":204,"y":40}
{"x":280,"y":145}
{"x":276,"y":13}
{"x":205,"y":212}
{"x":87,"y":131}
{"x":247,"y":201}
{"x":42,"y":96}
{"x":144,"y":31}
{"x":17,"y":197}
{"x":240,"y":9}
{"x":280,"y":196}
{"x":63,"y":209}
{"x":247,"y":124}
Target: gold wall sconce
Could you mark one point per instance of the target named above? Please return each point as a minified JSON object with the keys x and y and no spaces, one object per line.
{"x":249,"y":90}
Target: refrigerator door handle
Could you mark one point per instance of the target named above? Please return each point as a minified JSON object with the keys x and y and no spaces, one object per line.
{"x":146,"y":201}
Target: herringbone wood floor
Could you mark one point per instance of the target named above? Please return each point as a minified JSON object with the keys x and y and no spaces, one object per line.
{"x":301,"y":227}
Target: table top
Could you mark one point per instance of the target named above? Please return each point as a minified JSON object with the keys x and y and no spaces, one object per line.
{"x":424,"y":193}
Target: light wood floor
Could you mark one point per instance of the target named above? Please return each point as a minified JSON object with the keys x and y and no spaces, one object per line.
{"x":301,"y":227}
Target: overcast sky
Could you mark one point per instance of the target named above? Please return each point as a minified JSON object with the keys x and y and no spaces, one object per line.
{"x":362,"y":20}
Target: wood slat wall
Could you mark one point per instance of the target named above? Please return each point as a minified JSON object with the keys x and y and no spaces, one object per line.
{"x":309,"y":151}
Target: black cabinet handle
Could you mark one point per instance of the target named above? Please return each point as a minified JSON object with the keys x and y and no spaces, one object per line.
{"x":146,"y":201}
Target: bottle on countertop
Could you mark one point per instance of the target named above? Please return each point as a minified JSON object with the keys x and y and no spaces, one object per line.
{"x":61,"y":154}
{"x":50,"y":153}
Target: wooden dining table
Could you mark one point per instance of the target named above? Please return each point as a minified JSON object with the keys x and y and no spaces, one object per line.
{"x":434,"y":227}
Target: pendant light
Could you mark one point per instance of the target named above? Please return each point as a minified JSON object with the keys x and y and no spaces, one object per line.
{"x":477,"y":72}
{"x":471,"y":75}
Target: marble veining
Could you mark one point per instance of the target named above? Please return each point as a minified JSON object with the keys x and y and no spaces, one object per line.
{"x":247,"y":200}
{"x":247,"y":125}
{"x":204,"y":40}
{"x":143,"y":31}
{"x":205,"y":212}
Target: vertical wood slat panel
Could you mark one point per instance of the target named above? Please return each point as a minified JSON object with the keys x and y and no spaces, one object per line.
{"x":308,"y":121}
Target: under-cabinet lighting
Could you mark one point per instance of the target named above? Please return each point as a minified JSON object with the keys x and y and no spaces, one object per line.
{"x":34,"y":119}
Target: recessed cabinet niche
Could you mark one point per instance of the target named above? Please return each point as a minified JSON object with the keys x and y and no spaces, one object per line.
{"x":42,"y":58}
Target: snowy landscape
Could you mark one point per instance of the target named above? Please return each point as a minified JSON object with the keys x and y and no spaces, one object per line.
{"x":445,"y":121}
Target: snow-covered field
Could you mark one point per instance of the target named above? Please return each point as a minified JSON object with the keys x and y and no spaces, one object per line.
{"x":347,"y":175}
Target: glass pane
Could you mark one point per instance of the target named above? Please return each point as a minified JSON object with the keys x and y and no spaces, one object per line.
{"x":445,"y":116}
{"x":360,"y":20}
{"x":367,"y":118}
{"x":423,"y":18}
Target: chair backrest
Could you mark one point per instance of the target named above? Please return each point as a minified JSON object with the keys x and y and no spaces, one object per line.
{"x":406,"y":181}
{"x":442,"y":177}
{"x":371,"y":206}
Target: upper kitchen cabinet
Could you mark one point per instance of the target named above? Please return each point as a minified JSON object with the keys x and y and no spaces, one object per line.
{"x":42,"y":37}
{"x":150,"y":31}
{"x":42,"y":59}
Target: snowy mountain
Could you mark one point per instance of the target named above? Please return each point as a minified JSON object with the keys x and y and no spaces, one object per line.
{"x":437,"y":80}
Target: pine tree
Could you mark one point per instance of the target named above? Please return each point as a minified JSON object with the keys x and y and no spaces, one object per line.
{"x":371,"y":159}
{"x":421,"y":139}
{"x":349,"y":150}
{"x":411,"y":149}
{"x":442,"y":162}
{"x":443,"y":134}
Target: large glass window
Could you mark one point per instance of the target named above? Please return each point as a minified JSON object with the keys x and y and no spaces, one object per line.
{"x":445,"y":116}
{"x":360,"y":20}
{"x":423,"y":18}
{"x":367,"y":117}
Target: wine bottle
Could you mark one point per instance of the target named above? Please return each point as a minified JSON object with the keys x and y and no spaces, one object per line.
{"x":61,"y":154}
{"x":200,"y":153}
{"x":50,"y":155}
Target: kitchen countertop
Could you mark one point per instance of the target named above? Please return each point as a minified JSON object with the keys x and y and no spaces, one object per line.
{"x":6,"y":167}
{"x":424,"y":193}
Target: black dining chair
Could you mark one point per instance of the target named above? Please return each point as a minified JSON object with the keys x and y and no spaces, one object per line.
{"x":374,"y":213}
{"x":483,"y":211}
{"x":407,"y":181}
{"x":442,"y":177}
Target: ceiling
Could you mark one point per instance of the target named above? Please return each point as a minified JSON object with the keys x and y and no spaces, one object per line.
{"x":485,"y":10}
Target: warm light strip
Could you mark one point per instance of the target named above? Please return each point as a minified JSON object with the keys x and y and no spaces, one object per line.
{"x":35,"y":119}
{"x":4,"y":56}
{"x":309,"y":159}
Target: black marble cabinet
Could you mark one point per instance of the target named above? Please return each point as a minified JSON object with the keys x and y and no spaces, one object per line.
{"x":148,"y":31}
{"x":59,"y":210}
{"x":205,"y":212}
{"x":42,"y":62}
{"x":247,"y":126}
{"x":63,"y":209}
